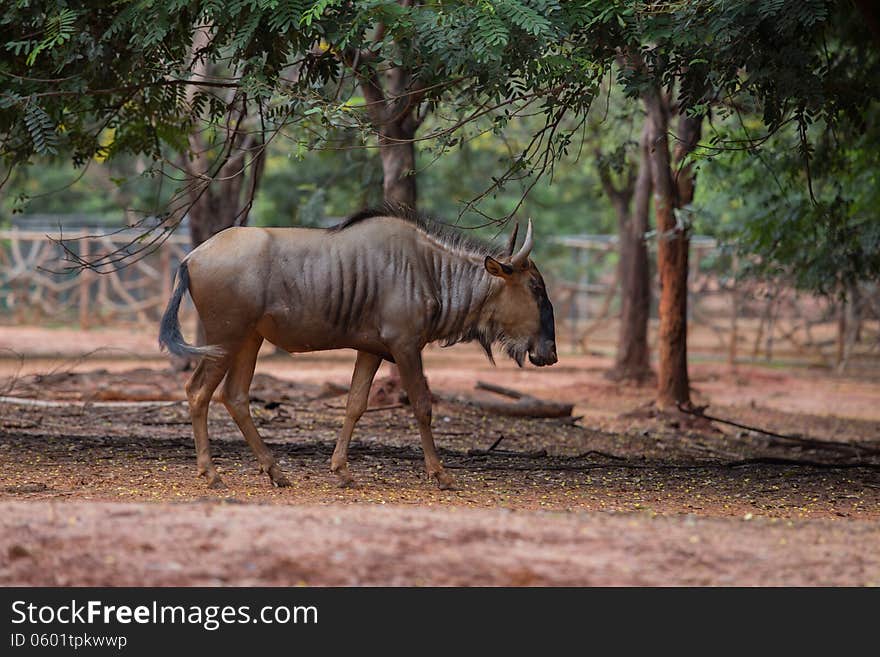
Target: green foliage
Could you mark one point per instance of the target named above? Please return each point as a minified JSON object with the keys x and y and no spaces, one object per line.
{"x":510,"y":82}
{"x":127,"y":66}
{"x":57,"y":29}
{"x":41,"y":129}
{"x":762,"y":205}
{"x":786,"y":164}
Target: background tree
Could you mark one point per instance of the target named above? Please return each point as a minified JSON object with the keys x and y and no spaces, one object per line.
{"x":626,"y":180}
{"x":237,"y":162}
{"x":672,"y":181}
{"x":784,"y":59}
{"x":393,"y":95}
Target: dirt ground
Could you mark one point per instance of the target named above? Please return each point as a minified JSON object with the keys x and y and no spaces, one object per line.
{"x":98,"y":486}
{"x":209,"y":544}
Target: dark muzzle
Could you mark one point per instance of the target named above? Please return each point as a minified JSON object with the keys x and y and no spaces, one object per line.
{"x":544,"y":354}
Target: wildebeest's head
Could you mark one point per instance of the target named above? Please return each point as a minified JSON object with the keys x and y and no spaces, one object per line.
{"x":521,"y":311}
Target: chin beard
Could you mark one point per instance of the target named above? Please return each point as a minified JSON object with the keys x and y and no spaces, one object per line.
{"x":516,"y":348}
{"x":517,"y":351}
{"x":486,"y":336}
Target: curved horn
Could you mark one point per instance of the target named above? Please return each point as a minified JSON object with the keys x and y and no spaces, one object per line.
{"x":526,"y":249}
{"x":511,"y":243}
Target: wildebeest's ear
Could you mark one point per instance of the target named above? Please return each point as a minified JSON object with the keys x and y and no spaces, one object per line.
{"x":498,"y":268}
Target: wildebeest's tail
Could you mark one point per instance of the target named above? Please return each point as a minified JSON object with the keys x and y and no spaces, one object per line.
{"x":170,"y":337}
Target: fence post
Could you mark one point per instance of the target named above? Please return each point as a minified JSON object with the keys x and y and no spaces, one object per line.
{"x":84,"y":284}
{"x":771,"y":323}
{"x":734,"y":314}
{"x":573,"y":308}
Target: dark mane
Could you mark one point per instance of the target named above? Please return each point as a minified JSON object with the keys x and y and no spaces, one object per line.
{"x":446,"y":234}
{"x":362,"y":215}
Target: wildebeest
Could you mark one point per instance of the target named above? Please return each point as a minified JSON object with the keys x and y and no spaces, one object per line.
{"x":383,"y":282}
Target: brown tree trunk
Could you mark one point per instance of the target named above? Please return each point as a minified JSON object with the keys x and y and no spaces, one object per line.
{"x":851,"y":322}
{"x":632,"y":361}
{"x":672,"y":190}
{"x":689,"y":131}
{"x":398,"y":154}
{"x":394,"y":102}
{"x":222,"y":203}
{"x":394,"y":113}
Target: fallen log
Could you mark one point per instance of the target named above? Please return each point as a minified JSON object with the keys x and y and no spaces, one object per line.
{"x":524,"y":406}
{"x":501,"y":390}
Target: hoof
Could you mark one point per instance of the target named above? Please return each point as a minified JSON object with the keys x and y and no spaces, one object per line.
{"x":343,"y":476}
{"x":216,"y":483}
{"x":278,"y":478}
{"x":444,"y":480}
{"x":213,"y":477}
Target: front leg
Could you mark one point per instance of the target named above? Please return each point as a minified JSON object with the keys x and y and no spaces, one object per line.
{"x":409,"y":361}
{"x":364,"y":370}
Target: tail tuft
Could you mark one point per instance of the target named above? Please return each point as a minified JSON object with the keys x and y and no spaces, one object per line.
{"x":170,"y":337}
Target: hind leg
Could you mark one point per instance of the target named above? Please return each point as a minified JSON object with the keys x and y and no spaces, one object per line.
{"x":364,"y":370}
{"x":199,"y":388}
{"x":236,"y":398}
{"x":410,"y":363}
